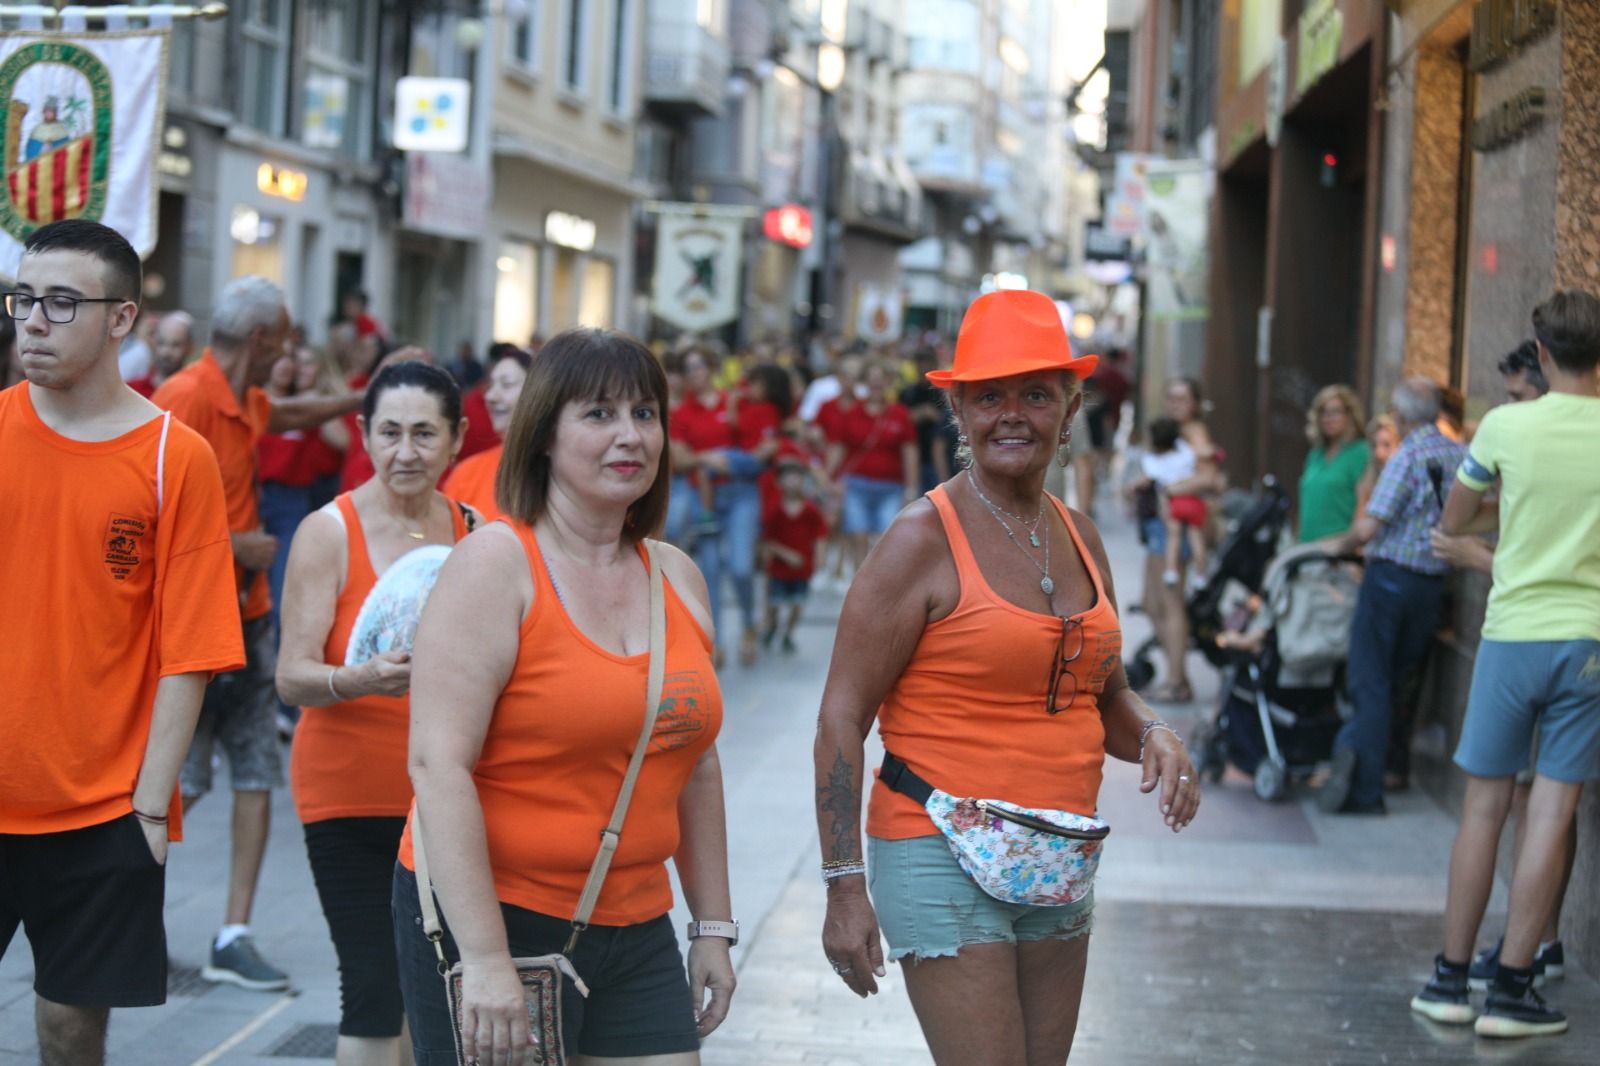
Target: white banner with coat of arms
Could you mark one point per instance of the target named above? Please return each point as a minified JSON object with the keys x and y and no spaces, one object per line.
{"x":83,"y":120}
{"x":697,"y":284}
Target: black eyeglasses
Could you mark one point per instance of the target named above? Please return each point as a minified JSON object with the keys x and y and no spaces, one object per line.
{"x":58,"y":310}
{"x":1061,"y":666}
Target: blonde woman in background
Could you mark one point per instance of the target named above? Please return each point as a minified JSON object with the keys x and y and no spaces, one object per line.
{"x":1383,"y":437}
{"x":1334,"y":466}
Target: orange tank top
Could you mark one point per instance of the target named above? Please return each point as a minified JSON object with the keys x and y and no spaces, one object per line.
{"x":349,"y":759}
{"x":968,"y":713}
{"x":557,"y":749}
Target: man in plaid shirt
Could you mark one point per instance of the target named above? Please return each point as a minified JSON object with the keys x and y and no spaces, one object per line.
{"x":1401,"y":594}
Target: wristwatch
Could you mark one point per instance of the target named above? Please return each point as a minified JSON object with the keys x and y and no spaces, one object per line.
{"x":728,"y":931}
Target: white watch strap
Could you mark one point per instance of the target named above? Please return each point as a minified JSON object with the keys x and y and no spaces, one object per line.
{"x":725,"y":930}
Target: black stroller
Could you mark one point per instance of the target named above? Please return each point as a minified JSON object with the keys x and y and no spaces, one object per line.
{"x":1242,"y":560}
{"x":1280,"y":705}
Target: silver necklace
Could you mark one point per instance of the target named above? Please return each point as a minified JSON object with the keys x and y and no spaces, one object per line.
{"x":996,"y":510}
{"x":1046,"y":585}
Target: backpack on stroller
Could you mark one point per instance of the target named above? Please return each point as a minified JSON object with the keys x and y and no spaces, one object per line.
{"x":1279,"y":708}
{"x":1252,"y":541}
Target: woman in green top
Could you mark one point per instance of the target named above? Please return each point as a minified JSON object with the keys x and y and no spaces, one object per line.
{"x":1334,"y":466}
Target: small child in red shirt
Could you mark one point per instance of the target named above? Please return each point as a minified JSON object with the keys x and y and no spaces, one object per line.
{"x":791,"y":526}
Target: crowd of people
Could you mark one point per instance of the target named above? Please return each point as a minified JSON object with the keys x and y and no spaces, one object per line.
{"x":222,"y":518}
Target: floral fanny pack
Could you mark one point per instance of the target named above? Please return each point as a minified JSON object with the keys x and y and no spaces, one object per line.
{"x":1015,"y":854}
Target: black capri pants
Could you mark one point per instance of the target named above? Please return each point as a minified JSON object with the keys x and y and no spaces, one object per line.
{"x":352,"y":861}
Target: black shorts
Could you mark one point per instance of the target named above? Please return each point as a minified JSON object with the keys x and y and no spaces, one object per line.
{"x":89,"y":901}
{"x":638,"y":1002}
{"x":352,"y":862}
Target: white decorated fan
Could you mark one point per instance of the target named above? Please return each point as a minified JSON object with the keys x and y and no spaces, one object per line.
{"x":389,"y":616}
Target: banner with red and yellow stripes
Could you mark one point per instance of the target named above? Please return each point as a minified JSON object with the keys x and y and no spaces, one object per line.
{"x":55,"y":185}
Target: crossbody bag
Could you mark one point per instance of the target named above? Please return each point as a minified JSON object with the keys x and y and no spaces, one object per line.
{"x":544,"y":977}
{"x":1015,"y":854}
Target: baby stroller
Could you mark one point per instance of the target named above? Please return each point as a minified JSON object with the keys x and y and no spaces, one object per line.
{"x":1280,"y":705}
{"x":1242,"y":561}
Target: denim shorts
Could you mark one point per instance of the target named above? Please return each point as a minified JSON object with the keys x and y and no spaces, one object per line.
{"x":638,"y":1003}
{"x":928,"y":907}
{"x":1153,"y":532}
{"x":787,"y":592}
{"x":240,"y":712}
{"x":869,"y":504}
{"x":1551,"y":687}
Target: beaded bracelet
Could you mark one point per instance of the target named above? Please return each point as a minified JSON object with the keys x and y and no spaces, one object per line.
{"x":850,"y":869}
{"x":1150,"y":727}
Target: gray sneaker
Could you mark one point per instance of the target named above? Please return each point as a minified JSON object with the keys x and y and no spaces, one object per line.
{"x":241,"y":964}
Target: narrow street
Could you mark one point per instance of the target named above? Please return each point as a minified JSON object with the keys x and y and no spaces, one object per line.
{"x":1265,"y":934}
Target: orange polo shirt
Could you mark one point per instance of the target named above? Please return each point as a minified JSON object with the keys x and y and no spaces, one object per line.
{"x":472,"y":482}
{"x":201,"y":396}
{"x":113,"y":580}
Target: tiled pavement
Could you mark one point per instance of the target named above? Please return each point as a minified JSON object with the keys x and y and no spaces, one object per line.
{"x":1262,"y":935}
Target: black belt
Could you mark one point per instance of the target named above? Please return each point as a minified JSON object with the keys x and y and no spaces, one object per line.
{"x":902,"y":779}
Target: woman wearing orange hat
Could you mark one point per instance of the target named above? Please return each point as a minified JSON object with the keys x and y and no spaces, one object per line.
{"x":983,"y":636}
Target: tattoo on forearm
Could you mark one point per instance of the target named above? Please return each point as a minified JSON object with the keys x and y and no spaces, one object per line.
{"x":842,"y":801}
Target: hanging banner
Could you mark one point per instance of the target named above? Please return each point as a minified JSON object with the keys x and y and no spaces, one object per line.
{"x":1176,"y":205}
{"x":880,"y":313}
{"x":696,"y":283}
{"x":84,"y":114}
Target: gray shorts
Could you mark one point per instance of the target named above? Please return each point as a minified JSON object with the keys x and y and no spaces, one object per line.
{"x":1527,"y":690}
{"x":240,"y":713}
{"x":928,"y":907}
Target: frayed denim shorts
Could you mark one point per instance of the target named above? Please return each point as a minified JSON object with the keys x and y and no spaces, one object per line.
{"x":927,"y":905}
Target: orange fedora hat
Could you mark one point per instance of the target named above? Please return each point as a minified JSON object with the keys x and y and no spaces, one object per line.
{"x":1010,"y":332}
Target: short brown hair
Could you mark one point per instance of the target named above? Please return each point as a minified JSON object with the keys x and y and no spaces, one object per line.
{"x":1568,"y":325}
{"x":579,"y":364}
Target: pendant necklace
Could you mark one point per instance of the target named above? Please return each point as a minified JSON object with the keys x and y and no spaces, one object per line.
{"x":996,"y":510}
{"x":1046,"y":585}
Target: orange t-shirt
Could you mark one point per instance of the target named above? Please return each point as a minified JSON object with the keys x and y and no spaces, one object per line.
{"x":349,"y":759}
{"x":106,"y":594}
{"x":557,"y":750}
{"x":967,"y":713}
{"x":201,"y":396}
{"x":472,"y":482}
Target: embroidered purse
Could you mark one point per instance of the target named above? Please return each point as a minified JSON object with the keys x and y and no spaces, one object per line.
{"x":1015,"y":854}
{"x":543,"y":977}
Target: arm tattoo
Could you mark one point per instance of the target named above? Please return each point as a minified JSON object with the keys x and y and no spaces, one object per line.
{"x":841,"y":799}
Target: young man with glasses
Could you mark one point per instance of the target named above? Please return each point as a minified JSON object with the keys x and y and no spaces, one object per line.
{"x":114,"y":553}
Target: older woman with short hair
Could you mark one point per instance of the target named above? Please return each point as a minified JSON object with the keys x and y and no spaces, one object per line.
{"x":1334,"y":465}
{"x":527,"y":701}
{"x":982,"y":634}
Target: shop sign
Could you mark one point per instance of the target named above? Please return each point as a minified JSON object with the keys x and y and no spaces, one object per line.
{"x":446,"y":195}
{"x":174,"y":160}
{"x":569,"y":231}
{"x":789,"y":224}
{"x":696,"y":282}
{"x":326,"y":104}
{"x":84,"y":115}
{"x":282,"y":182}
{"x":432,"y":114}
{"x":1321,"y":33}
{"x":1500,"y":27}
{"x":1510,"y":121}
{"x":1099,"y":245}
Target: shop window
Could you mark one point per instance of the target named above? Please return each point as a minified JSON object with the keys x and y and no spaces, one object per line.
{"x":564,"y":290}
{"x":516,"y":292}
{"x":524,"y":41}
{"x":575,"y":47}
{"x":265,"y":30}
{"x":619,"y":84}
{"x":257,"y":244}
{"x":599,"y":286}
{"x":335,"y":101}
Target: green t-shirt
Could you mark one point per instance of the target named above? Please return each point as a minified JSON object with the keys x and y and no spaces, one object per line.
{"x":1328,"y":490}
{"x":1546,"y":453}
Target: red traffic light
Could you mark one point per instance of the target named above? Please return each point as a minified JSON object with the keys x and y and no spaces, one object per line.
{"x":1330,"y":160}
{"x":790,"y":225}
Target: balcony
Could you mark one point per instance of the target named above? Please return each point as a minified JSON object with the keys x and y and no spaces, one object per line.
{"x":878,"y":194}
{"x":686,"y":65}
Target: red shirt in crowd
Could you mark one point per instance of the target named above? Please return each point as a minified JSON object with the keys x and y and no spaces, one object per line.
{"x":873,"y":442}
{"x":797,"y":526}
{"x":298,"y":457}
{"x":755,"y":424}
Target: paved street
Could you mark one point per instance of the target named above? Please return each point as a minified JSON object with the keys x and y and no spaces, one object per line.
{"x":1263,"y":935}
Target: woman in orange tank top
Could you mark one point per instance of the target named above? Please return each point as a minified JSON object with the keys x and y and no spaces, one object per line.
{"x":348,"y":764}
{"x":982,"y":635}
{"x":472,"y":480}
{"x":527,"y":701}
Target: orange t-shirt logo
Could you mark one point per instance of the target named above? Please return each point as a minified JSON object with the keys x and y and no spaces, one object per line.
{"x":124,"y":545}
{"x":682,"y":717}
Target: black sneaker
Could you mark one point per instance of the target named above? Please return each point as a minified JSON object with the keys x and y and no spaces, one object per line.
{"x":1508,"y":1015}
{"x":1551,"y":959}
{"x":1487,"y":962}
{"x":1444,"y":998}
{"x":241,"y":964}
{"x":1335,"y":791}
